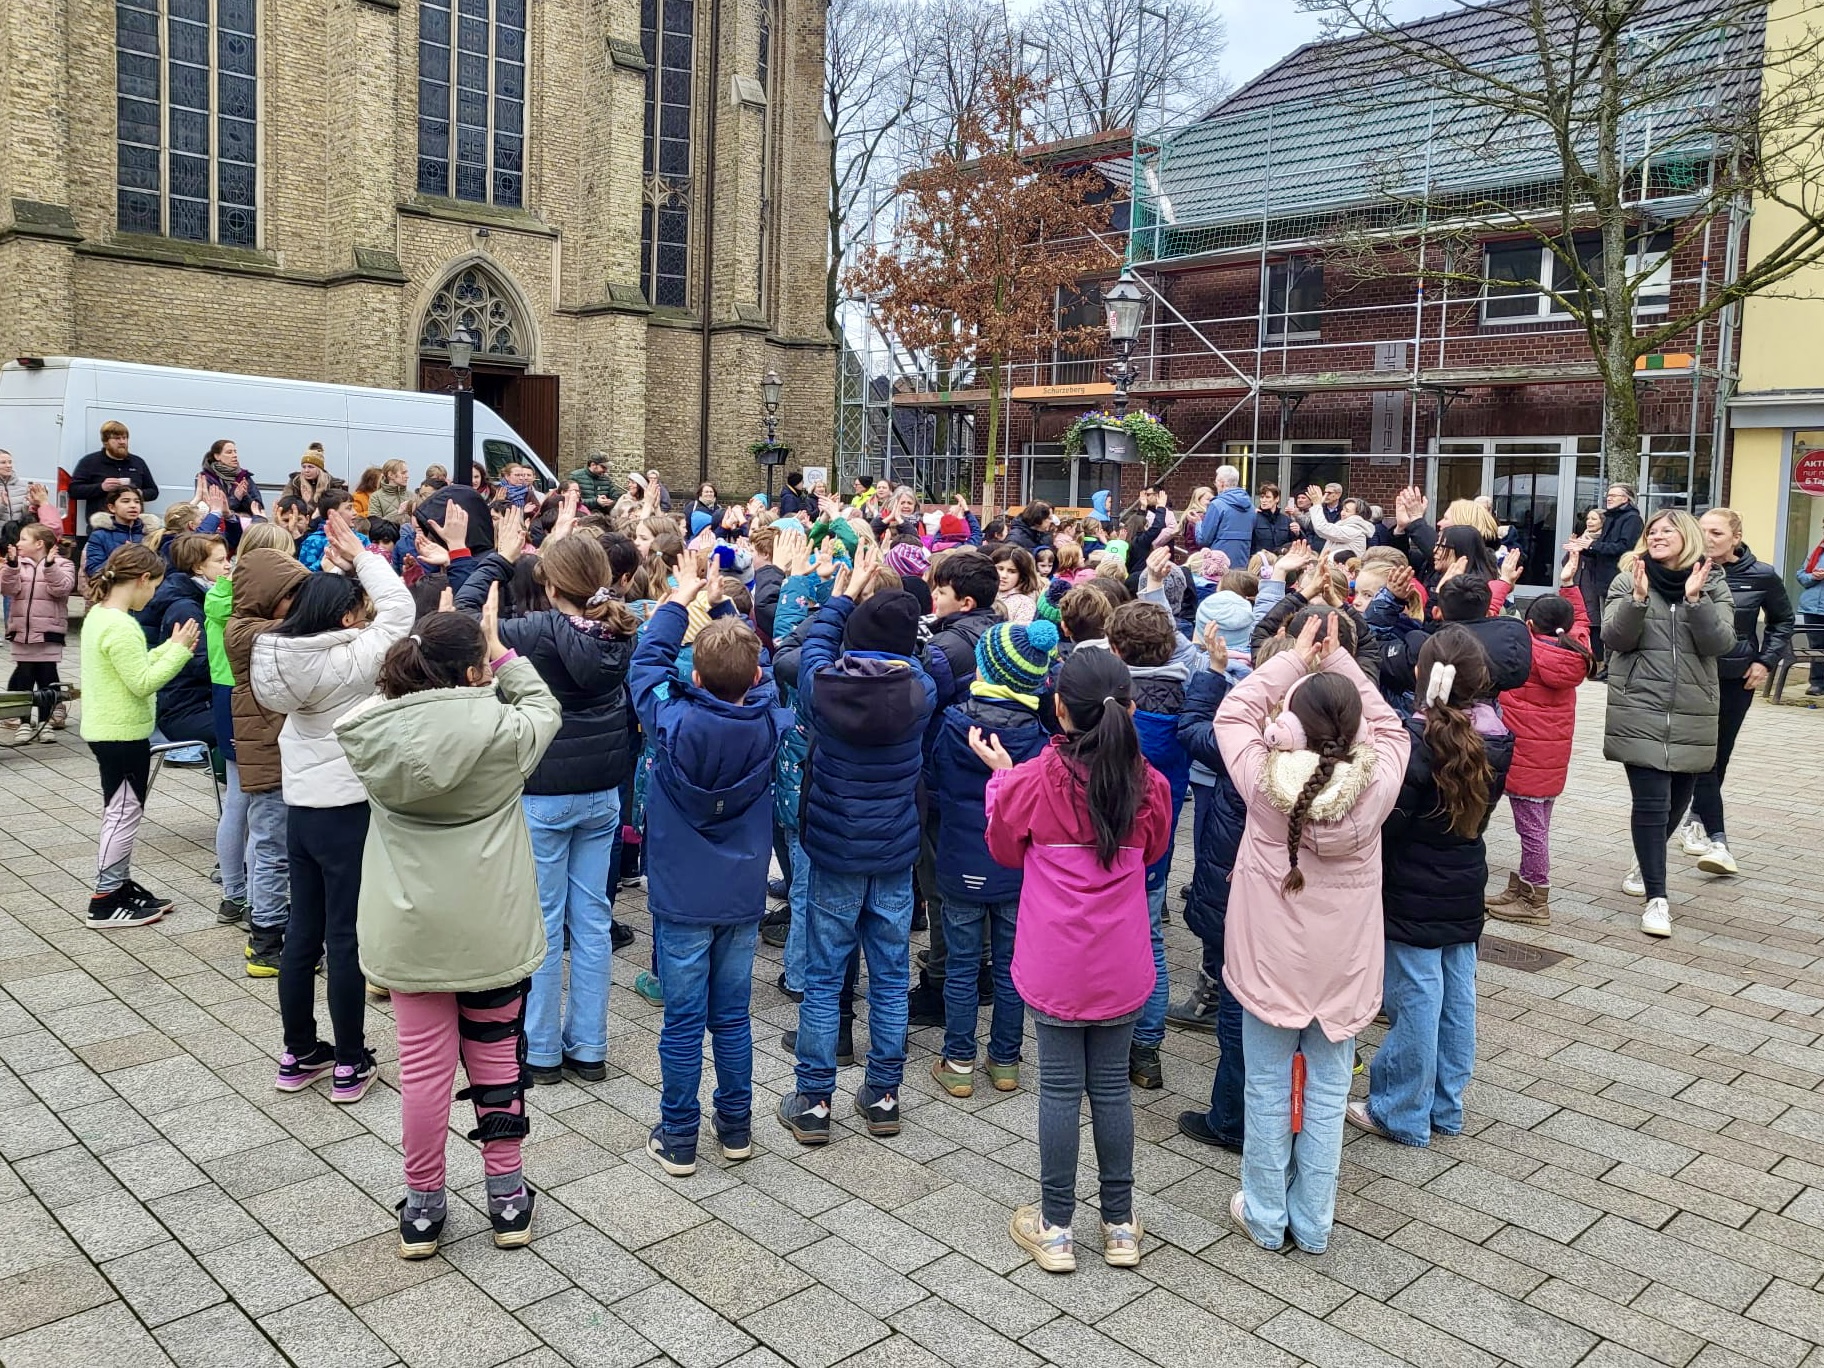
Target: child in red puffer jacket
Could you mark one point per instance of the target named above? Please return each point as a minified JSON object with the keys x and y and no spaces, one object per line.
{"x":1542,"y":714}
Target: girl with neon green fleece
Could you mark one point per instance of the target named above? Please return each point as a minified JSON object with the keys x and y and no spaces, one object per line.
{"x":120,"y":683}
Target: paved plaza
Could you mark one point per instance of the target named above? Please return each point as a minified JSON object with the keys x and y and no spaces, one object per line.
{"x":1641,"y":1179}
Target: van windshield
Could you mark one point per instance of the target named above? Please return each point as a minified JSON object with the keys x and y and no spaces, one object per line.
{"x":499,"y":454}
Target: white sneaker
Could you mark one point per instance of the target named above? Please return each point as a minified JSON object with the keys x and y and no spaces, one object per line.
{"x":1656,"y":920}
{"x":1717,"y":860}
{"x":1696,"y":839}
{"x":1634,"y":886}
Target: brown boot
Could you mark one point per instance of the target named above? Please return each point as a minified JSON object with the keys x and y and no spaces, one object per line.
{"x":1532,"y":907}
{"x":1509,"y":896}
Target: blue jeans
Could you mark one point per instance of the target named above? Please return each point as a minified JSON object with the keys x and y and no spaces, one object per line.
{"x":801,"y":899}
{"x":873,"y":911}
{"x":231,"y":835}
{"x":1416,"y":1083}
{"x":573,"y":842}
{"x":1150,"y":1028}
{"x":708,"y":973}
{"x":1290,"y":1180}
{"x":269,"y":880}
{"x":966,"y":925}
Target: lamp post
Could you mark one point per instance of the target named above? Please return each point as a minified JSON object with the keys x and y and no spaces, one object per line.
{"x":771,"y":389}
{"x":1126,"y":305}
{"x":462,"y":351}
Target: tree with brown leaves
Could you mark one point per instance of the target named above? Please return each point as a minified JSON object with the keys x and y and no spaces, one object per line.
{"x":986,"y":239}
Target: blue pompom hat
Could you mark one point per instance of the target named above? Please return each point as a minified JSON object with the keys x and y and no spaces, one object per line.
{"x":1017,"y":656}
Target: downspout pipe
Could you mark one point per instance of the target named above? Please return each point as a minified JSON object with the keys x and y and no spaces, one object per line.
{"x":707,"y":294}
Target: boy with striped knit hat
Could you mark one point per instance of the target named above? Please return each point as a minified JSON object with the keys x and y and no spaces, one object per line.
{"x":980,"y":897}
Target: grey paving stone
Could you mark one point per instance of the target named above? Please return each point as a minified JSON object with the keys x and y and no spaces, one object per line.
{"x":1320,"y":1343}
{"x":216,"y":1127}
{"x":959,"y":1338}
{"x":162,"y":1283}
{"x":968,"y":1222}
{"x":1519,"y":1333}
{"x":764,"y":1219}
{"x":595,"y":1263}
{"x":167,"y":1084}
{"x":1492,"y":1270}
{"x":1745,"y":1339}
{"x":105,"y":1337}
{"x":107,"y":1227}
{"x":1631,"y":1329}
{"x":814,"y":1328}
{"x":371,"y":1268}
{"x":203,"y":1219}
{"x":1072,"y":1344}
{"x":278,"y":1165}
{"x":692,"y":1334}
{"x":318,"y":1214}
{"x":857,"y":1276}
{"x":1172,"y":1333}
{"x":989,"y":1298}
{"x":64,"y":1177}
{"x":1671,"y":1261}
{"x":1196,"y":1279}
{"x":1788,"y":1307}
{"x":586,"y":1333}
{"x":792,"y":1184}
{"x":447,"y":1322}
{"x":513,"y":1281}
{"x":892,"y":1241}
{"x":221,"y":1337}
{"x":1517,"y":1203}
{"x":261,"y":1276}
{"x":874,"y":1172}
{"x":1279,"y":1276}
{"x":634,"y":1209}
{"x":323,"y":1333}
{"x":49,"y":1291}
{"x":109,"y":1125}
{"x":727,"y":1271}
{"x":1571,"y":1265}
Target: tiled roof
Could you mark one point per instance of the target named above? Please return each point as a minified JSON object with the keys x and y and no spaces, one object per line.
{"x":1334,"y":126}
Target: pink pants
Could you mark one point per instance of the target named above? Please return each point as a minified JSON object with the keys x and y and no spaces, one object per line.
{"x":488,"y":1031}
{"x":1533,"y":824}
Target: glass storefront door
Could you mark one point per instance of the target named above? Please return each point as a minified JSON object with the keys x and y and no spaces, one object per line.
{"x":1804,"y":515}
{"x":1527,"y":477}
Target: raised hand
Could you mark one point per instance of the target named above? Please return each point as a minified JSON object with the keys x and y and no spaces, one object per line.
{"x":340,"y":540}
{"x":1567,"y":573}
{"x":1512,"y":567}
{"x":712,"y":581}
{"x":826,"y":558}
{"x":1399,"y":581}
{"x":1157,"y":563}
{"x":1216,"y":648}
{"x":1457,"y":567}
{"x":1694,"y":582}
{"x":1641,"y":585}
{"x":490,"y":623}
{"x":867,"y":561}
{"x":217,"y":501}
{"x":454,"y":529}
{"x":690,"y":578}
{"x":1309,"y":644}
{"x":510,"y":534}
{"x":187,"y":632}
{"x":792,"y":551}
{"x":990,"y":752}
{"x":567,"y":509}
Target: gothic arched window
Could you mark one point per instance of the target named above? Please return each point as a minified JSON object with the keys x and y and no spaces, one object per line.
{"x":472,"y":100}
{"x":187,"y":101}
{"x":668,"y":38}
{"x":475,"y":300}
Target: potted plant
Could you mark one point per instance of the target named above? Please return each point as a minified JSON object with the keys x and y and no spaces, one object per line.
{"x":770,"y":453}
{"x":1125,"y":440}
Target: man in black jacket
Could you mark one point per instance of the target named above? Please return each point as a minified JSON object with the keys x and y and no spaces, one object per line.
{"x":100,"y":473}
{"x":1622,"y":526}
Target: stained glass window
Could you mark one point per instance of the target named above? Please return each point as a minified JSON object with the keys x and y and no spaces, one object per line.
{"x":474,"y":300}
{"x":187,"y":111}
{"x":668,"y":38}
{"x":472,"y":100}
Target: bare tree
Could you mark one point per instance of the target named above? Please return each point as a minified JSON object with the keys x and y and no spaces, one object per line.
{"x":869,"y":87}
{"x":1121,"y":63}
{"x":959,"y":46}
{"x":1736,"y":117}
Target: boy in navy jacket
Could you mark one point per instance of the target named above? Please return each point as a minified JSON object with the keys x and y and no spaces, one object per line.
{"x":866,"y":703}
{"x":981,"y":897}
{"x":709,"y":808}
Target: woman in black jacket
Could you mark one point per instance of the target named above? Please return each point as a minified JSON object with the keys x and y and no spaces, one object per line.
{"x":1032,"y":528}
{"x":1622,"y":529}
{"x":1434,"y":868}
{"x":581,"y":646}
{"x":1759,"y":593}
{"x":792,"y":499}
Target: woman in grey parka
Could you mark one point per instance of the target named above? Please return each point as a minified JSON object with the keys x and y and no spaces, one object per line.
{"x":1667,"y":619}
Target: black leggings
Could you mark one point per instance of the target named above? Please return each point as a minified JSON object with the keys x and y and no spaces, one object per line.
{"x":324,"y":845}
{"x":1707,"y":799}
{"x":33,"y":674}
{"x":1660,"y":800}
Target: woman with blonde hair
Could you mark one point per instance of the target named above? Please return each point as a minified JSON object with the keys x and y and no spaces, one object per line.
{"x":1469,"y":513}
{"x":1667,"y":620}
{"x":388,"y":499}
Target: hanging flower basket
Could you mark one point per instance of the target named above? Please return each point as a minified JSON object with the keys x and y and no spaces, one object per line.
{"x":770,"y":453}
{"x":1133,"y":439}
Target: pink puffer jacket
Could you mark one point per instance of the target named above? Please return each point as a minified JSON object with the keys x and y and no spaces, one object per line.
{"x":40,"y":591}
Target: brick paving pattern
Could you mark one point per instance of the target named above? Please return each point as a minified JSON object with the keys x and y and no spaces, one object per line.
{"x":1641,"y":1179}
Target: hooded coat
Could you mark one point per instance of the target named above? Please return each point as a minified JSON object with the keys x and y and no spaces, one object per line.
{"x":313,"y":680}
{"x":1228,"y":525}
{"x":1663,"y":686}
{"x":1542,"y":713}
{"x":187,"y":697}
{"x":957,"y":781}
{"x":449,"y":889}
{"x":40,"y":591}
{"x":1318,"y":954}
{"x":261,"y":581}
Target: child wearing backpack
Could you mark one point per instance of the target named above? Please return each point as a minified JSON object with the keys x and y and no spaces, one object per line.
{"x":1542,"y":713}
{"x":1082,"y":820}
{"x":1434,"y":872}
{"x":449,"y":917}
{"x":1318,"y":756}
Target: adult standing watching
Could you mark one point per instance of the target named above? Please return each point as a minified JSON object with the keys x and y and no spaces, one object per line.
{"x":1621,"y":530}
{"x":1228,"y":523}
{"x":1811,"y":609}
{"x":100,"y":473}
{"x":1272,"y":529}
{"x":222,"y":470}
{"x":1668,"y":619}
{"x":1758,"y":592}
{"x":599,"y":491}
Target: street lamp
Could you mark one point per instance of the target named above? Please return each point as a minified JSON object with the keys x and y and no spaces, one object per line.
{"x":463,"y":342}
{"x":1126,"y":305}
{"x":770,"y":454}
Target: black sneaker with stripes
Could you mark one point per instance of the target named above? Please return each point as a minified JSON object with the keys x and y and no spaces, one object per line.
{"x":117,"y":910}
{"x":139,"y":895}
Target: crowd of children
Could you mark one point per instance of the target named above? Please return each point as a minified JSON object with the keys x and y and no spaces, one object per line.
{"x":455,"y":721}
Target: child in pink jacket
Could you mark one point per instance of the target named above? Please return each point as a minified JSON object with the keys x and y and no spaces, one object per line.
{"x":37,"y":582}
{"x":1082,"y":945}
{"x":1318,"y":757}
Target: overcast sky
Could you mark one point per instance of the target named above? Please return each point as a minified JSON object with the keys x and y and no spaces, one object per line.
{"x":1263,"y":31}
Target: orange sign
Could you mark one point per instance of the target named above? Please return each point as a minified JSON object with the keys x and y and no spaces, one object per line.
{"x":1091,"y":391}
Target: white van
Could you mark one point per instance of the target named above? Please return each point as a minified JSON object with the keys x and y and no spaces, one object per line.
{"x":52,"y":409}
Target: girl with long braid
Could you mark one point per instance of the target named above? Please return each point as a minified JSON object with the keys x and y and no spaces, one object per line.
{"x":1318,"y":757}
